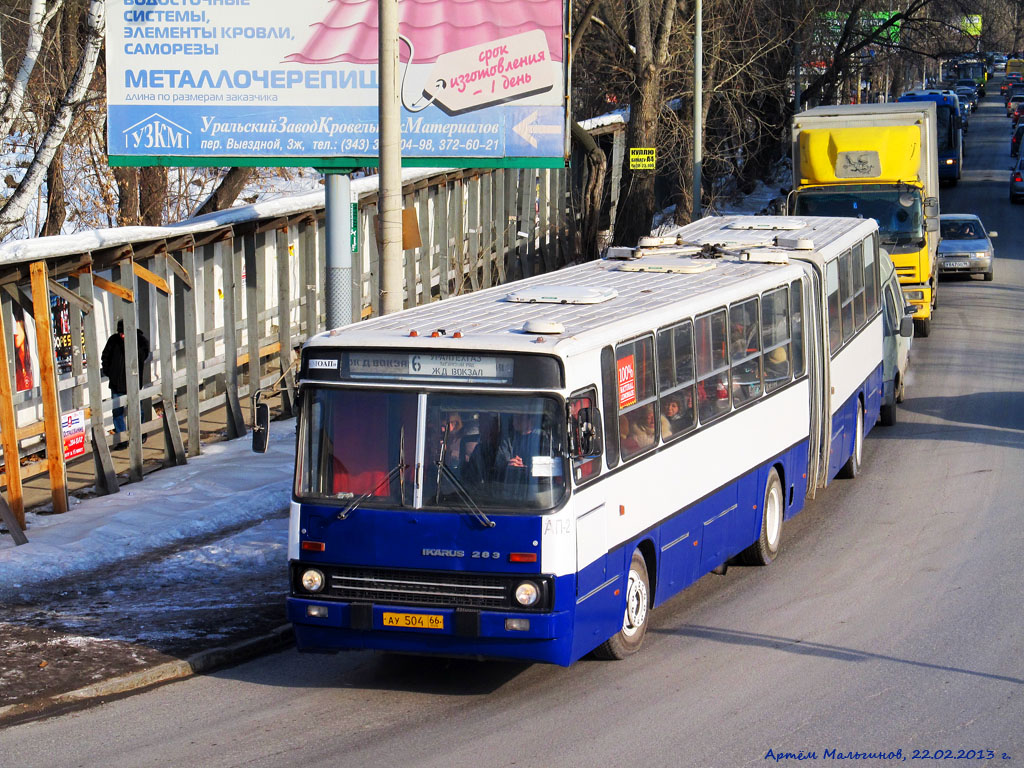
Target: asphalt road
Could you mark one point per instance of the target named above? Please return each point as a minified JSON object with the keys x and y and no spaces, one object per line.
{"x":892,"y":620}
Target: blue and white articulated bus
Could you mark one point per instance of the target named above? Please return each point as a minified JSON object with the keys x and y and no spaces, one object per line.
{"x":527,"y":471}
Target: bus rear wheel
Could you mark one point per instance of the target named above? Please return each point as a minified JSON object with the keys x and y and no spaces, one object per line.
{"x":627,"y":640}
{"x":764,"y":550}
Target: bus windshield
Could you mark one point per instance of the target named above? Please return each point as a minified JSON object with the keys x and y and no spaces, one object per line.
{"x":490,"y":451}
{"x":898,"y":212}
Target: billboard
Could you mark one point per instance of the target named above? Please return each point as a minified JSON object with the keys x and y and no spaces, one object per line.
{"x":971,"y":25}
{"x":262,"y":82}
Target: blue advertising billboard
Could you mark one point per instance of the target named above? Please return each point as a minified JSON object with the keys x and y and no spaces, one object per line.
{"x":262,"y":82}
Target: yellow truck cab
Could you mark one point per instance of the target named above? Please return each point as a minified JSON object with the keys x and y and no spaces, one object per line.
{"x":876,"y":161}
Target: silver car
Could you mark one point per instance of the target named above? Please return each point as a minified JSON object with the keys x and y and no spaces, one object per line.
{"x":964,"y":246}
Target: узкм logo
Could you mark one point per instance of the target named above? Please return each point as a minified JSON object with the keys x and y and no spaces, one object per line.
{"x":156,"y":132}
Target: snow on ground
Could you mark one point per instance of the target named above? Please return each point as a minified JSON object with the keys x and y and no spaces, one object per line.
{"x":225,"y":487}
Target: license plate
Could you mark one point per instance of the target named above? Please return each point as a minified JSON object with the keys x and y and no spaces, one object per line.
{"x":956,"y":264}
{"x":414,"y":620}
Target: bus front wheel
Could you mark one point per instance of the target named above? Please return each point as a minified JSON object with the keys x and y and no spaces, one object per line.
{"x":764,"y":550}
{"x":627,"y":640}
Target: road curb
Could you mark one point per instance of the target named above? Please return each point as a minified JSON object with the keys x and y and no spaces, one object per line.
{"x":198,"y":663}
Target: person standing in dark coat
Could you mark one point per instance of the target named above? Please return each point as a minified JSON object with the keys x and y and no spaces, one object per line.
{"x":112,"y":365}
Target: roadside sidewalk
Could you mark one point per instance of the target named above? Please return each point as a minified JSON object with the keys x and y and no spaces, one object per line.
{"x":171,"y":576}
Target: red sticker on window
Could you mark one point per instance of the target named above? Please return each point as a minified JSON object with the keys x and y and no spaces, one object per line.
{"x":627,"y":381}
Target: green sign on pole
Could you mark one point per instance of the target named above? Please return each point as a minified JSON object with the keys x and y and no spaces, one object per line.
{"x":355,"y":228}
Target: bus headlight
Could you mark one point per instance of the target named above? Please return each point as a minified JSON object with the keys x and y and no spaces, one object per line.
{"x":312,"y":580}
{"x":527,"y":593}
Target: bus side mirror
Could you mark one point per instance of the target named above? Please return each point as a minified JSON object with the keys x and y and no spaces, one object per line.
{"x":586,"y":435}
{"x":931,"y":225}
{"x":931,"y":207}
{"x":907,"y":326}
{"x":260,"y":425}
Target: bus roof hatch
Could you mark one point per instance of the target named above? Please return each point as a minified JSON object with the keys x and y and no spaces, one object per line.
{"x":562,"y":294}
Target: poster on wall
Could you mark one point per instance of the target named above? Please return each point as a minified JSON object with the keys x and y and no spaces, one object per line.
{"x":261,"y":82}
{"x":23,"y":376}
{"x":60,"y":317}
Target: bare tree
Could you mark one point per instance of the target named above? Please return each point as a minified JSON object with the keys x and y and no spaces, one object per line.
{"x":14,"y":209}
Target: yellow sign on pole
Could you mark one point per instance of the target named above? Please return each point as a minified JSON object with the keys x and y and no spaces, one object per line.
{"x":642,"y":158}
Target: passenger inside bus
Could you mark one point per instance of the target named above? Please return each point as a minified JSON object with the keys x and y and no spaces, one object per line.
{"x":713,"y":397}
{"x":642,"y":425}
{"x":461,"y":437}
{"x":520,"y":445}
{"x":677,"y":419}
{"x":627,"y":443}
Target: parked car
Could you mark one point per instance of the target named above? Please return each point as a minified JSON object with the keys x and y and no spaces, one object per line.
{"x":965,"y":247}
{"x":1018,"y":135}
{"x":1017,"y":180}
{"x":897,"y":335}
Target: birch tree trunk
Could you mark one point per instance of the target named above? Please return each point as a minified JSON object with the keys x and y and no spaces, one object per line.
{"x":39,"y":17}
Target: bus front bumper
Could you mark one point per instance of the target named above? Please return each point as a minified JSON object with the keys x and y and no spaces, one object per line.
{"x":328,"y":625}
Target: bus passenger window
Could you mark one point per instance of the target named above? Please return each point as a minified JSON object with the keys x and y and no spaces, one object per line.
{"x":710,"y":339}
{"x":859,"y":308}
{"x":846,"y":296}
{"x":775,"y":330}
{"x":796,"y":315}
{"x":676,"y":380}
{"x":637,"y":396}
{"x":745,"y":344}
{"x":835,"y":330}
{"x":870,"y":275}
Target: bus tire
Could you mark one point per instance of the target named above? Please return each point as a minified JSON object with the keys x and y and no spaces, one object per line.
{"x":773,"y":509}
{"x":852,"y":466}
{"x":887,"y":415}
{"x":628,"y":639}
{"x":923,"y":327}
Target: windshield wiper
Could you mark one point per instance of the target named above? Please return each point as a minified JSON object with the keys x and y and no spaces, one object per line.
{"x":460,"y":489}
{"x":398,"y":470}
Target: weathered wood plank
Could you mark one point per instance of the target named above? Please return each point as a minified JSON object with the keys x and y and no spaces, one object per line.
{"x":48,"y":387}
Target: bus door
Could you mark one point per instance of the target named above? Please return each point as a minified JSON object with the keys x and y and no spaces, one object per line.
{"x":816,"y":339}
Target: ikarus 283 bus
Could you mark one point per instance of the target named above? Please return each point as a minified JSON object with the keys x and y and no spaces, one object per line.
{"x":526,"y":472}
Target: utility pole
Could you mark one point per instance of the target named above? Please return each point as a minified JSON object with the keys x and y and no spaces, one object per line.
{"x":390,"y":159}
{"x":338,"y":290}
{"x":698,"y":108}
